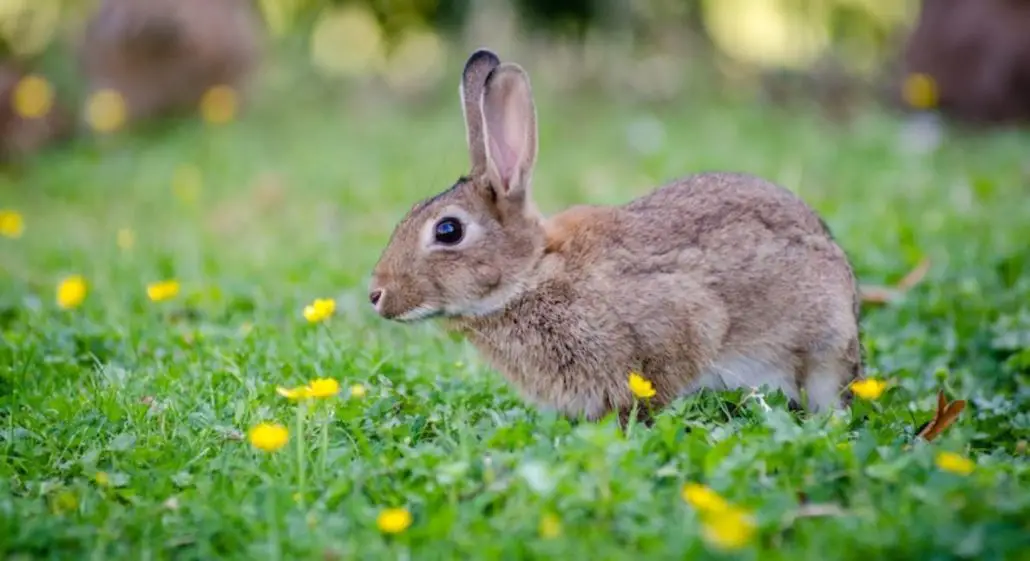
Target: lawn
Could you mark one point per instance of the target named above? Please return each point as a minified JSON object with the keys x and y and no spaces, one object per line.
{"x":124,"y":422}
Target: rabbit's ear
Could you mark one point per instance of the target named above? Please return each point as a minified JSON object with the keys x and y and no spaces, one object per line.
{"x":473,"y":80}
{"x":509,"y":126}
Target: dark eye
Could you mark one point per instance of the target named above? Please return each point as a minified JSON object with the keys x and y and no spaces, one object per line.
{"x":448,"y":231}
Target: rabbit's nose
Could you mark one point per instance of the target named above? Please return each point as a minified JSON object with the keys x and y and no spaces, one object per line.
{"x":375,"y":295}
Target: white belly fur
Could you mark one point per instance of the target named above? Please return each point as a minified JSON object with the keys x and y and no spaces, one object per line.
{"x":732,"y":372}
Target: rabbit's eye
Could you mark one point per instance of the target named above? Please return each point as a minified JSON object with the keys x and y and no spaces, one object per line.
{"x":448,"y":231}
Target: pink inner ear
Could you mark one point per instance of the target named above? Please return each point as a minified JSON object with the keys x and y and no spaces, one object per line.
{"x":506,"y":133}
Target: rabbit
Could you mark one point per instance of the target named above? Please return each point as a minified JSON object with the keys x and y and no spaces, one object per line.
{"x":718,"y":280}
{"x":163,"y":55}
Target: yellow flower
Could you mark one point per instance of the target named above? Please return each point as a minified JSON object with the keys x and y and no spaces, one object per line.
{"x":218,"y":105}
{"x":550,"y":526}
{"x":728,"y":529}
{"x":393,"y":520}
{"x":106,"y":110}
{"x":12,"y":225}
{"x":954,"y":463}
{"x":640,"y":387}
{"x":323,"y":387}
{"x":126,"y":239}
{"x":71,"y":292}
{"x":64,"y":502}
{"x":869,"y":388}
{"x":358,"y":391}
{"x":920,"y":91}
{"x":102,"y":479}
{"x":162,"y":290}
{"x":703,"y":498}
{"x":269,"y":436}
{"x":320,"y":310}
{"x":33,"y":97}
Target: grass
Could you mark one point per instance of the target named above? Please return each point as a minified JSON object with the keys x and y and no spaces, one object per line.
{"x":295,"y":203}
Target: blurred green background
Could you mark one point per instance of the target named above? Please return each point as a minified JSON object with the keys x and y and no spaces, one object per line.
{"x":662,"y":49}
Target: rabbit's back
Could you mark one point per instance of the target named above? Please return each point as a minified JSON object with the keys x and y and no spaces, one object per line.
{"x":762,"y":252}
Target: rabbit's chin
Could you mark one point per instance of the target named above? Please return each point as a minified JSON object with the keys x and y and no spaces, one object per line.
{"x":419,"y":313}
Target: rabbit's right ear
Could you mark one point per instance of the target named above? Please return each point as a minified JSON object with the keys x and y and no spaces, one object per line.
{"x":473,"y":81}
{"x":509,"y":128}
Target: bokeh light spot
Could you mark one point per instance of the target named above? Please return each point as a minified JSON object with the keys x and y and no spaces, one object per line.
{"x":27,"y":27}
{"x":347,"y":42}
{"x":218,"y":105}
{"x":920,"y":91}
{"x":106,"y":111}
{"x":767,"y":33}
{"x":417,"y":61}
{"x":33,"y":97}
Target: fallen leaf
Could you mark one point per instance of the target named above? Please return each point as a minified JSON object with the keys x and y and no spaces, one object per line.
{"x":878,"y":294}
{"x":945,"y":417}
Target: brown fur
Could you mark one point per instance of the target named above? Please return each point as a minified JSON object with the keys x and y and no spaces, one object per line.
{"x":978,"y":53}
{"x":716,"y":280}
{"x":162,"y":55}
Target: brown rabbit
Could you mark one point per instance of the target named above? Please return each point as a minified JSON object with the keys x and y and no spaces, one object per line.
{"x":718,"y":280}
{"x":162,"y":55}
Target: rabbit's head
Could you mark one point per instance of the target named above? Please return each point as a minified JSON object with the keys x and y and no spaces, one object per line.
{"x":471,"y":249}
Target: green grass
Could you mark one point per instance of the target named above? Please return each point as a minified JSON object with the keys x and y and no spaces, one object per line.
{"x":297,"y":203}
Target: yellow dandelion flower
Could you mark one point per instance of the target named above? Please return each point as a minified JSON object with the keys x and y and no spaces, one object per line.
{"x":12,"y":225}
{"x":71,"y":292}
{"x":64,"y":502}
{"x":640,"y":386}
{"x":293,"y":393}
{"x":320,"y":310}
{"x":868,"y":388}
{"x":106,"y":110}
{"x":728,"y":529}
{"x":269,"y":436}
{"x":102,"y":478}
{"x":393,"y":520}
{"x":323,"y":387}
{"x":358,"y":391}
{"x":218,"y":105}
{"x":33,"y":97}
{"x":954,"y":463}
{"x":920,"y":91}
{"x":550,"y":526}
{"x":703,"y":498}
{"x":126,"y":239}
{"x":162,"y":290}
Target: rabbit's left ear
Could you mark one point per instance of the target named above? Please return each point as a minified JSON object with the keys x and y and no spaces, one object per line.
{"x":473,"y":81}
{"x":509,"y":127}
